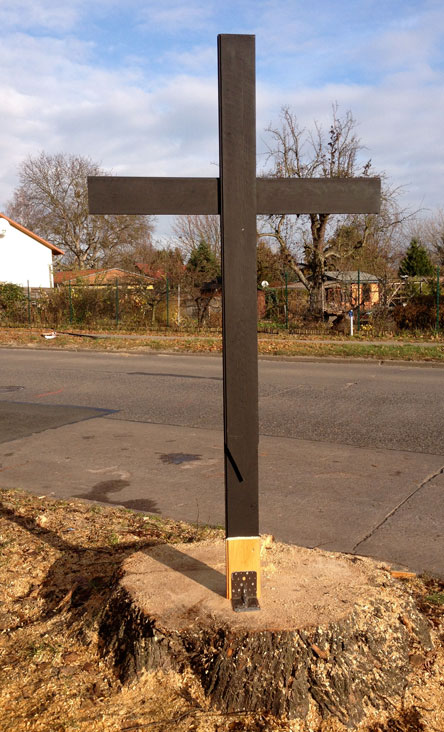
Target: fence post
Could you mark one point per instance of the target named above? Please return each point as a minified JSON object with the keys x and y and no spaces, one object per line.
{"x":359,"y":301}
{"x":117,"y":302}
{"x":70,"y":302}
{"x":29,"y":305}
{"x":437,"y":299}
{"x":167,"y":302}
{"x":286,"y":299}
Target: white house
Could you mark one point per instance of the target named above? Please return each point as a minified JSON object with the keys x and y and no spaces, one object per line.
{"x":24,"y":256}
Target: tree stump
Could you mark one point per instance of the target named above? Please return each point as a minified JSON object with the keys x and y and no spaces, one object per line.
{"x":334,"y":632}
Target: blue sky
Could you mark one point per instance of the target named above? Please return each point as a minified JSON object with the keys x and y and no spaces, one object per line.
{"x":133,"y":84}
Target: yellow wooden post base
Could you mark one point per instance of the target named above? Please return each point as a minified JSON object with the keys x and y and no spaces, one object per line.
{"x":243,"y":555}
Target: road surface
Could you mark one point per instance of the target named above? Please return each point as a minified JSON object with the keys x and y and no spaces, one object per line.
{"x":351,"y":455}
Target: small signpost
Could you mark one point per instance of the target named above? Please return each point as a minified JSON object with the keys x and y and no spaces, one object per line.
{"x":237,"y":196}
{"x":350,"y":315}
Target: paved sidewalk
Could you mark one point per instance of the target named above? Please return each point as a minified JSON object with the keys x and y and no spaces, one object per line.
{"x":388,"y":504}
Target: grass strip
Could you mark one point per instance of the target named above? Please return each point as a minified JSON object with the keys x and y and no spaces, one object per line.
{"x":272,"y":346}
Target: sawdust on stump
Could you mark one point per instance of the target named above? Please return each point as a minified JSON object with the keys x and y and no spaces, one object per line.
{"x":59,"y":561}
{"x":334,"y":634}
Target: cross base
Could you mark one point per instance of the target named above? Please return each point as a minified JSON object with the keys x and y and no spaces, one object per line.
{"x":242,"y":559}
{"x":244,"y":591}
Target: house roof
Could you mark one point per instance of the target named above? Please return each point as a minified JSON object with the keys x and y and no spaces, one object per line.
{"x":94,"y":274}
{"x":21,"y":228}
{"x":351,"y":277}
{"x":157,"y":274}
{"x":71,"y":275}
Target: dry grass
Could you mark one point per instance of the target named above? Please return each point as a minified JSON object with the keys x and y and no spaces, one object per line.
{"x":57,"y":564}
{"x":272,"y":345}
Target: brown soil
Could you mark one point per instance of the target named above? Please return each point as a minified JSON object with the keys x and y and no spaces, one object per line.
{"x":57,"y":564}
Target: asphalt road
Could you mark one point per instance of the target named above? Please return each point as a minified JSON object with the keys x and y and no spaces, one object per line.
{"x":352,"y":455}
{"x":392,"y":407}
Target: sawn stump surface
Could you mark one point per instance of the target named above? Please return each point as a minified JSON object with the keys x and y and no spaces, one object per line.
{"x":334,"y":632}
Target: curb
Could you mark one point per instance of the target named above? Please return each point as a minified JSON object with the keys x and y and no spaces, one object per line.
{"x":261,"y":357}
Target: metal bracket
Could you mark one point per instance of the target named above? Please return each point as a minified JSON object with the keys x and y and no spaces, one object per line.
{"x":244,"y":591}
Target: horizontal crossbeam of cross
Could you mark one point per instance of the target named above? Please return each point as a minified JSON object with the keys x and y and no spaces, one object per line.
{"x":132,"y":195}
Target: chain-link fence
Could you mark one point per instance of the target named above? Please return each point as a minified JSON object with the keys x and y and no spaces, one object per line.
{"x":410,"y":306}
{"x":110,"y":306}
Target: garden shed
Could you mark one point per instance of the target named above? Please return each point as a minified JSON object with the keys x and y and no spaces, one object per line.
{"x":341,"y":290}
{"x":25,"y":258}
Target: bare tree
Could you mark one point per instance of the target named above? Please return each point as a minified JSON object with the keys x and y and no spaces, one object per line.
{"x":191,"y":229}
{"x":373,"y":241}
{"x":304,"y":242}
{"x":51,"y":199}
{"x":432,"y":233}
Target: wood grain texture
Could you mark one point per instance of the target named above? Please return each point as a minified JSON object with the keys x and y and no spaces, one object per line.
{"x":331,"y":640}
{"x":237,"y":138}
{"x":318,"y":195}
{"x":128,"y":195}
{"x":243,"y":555}
{"x":173,"y":196}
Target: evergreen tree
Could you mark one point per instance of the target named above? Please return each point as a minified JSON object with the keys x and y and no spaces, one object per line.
{"x":416,"y":262}
{"x":203,"y":263}
{"x":269,"y":264}
{"x":204,"y":272}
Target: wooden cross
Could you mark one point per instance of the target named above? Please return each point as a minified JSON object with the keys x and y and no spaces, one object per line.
{"x":237,"y":196}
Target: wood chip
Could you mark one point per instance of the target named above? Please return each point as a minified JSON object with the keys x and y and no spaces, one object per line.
{"x":319,"y":652}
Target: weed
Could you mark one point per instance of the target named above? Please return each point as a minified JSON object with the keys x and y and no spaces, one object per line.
{"x":152,"y":517}
{"x":41,"y":649}
{"x":436,"y":598}
{"x":96,"y":509}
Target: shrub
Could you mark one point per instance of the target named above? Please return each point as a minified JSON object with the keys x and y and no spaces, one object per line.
{"x":419,"y":313}
{"x":12,"y":302}
{"x":11,"y":295}
{"x":382,"y":320}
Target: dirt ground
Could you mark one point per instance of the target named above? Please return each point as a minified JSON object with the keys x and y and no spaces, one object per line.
{"x":57,"y":564}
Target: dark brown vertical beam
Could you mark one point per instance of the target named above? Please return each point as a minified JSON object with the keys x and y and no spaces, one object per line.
{"x":237,"y":139}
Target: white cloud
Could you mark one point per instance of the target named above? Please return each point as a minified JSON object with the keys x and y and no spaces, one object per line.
{"x":414,"y":42}
{"x":132,"y":119}
{"x":175,"y":16}
{"x":106,"y":115}
{"x":199,"y":60}
{"x":32,"y":14}
{"x":398,"y":122}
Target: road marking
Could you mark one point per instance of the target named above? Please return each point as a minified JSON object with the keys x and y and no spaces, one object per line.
{"x":48,"y":393}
